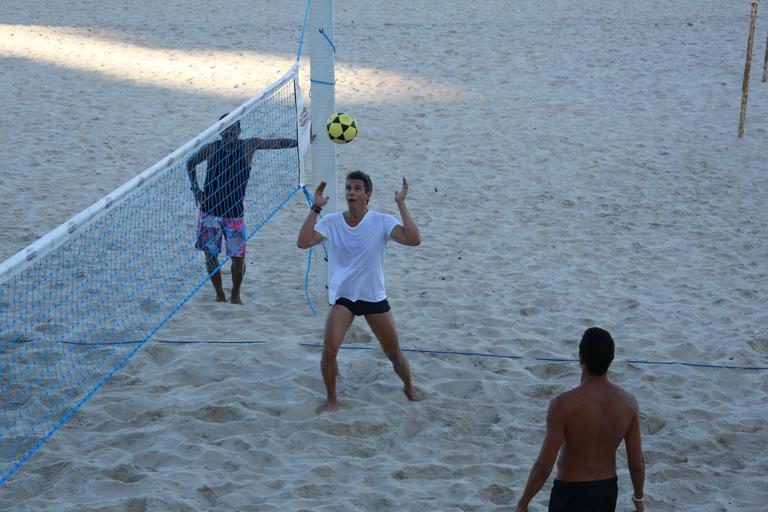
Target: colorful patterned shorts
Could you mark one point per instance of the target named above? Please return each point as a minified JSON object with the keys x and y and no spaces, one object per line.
{"x":209,"y":232}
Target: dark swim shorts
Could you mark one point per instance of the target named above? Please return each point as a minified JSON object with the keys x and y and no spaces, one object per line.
{"x":363,"y":307}
{"x":594,"y":496}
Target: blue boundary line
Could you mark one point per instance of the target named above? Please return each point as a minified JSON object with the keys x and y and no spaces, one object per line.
{"x":414,"y":350}
{"x":549,"y":359}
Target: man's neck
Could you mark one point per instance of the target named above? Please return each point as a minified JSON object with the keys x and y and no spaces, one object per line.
{"x":588,"y":378}
{"x":355,"y":215}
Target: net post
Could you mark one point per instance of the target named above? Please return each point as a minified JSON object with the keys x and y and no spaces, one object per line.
{"x":323,"y":103}
{"x":765,"y":62}
{"x":747,"y":68}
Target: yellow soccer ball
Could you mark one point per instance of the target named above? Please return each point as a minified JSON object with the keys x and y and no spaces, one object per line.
{"x":342,"y":128}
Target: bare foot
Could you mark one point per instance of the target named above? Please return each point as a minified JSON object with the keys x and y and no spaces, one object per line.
{"x":236,"y":300}
{"x":413,"y":394}
{"x":327,"y":406}
{"x":221,"y":298}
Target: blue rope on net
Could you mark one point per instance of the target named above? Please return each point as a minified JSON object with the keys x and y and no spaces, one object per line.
{"x":315,"y":81}
{"x":328,"y":40}
{"x":303,"y":31}
{"x":310,"y":256}
{"x":301,"y":45}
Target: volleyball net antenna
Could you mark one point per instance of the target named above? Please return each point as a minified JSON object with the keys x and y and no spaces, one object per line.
{"x":78,"y":303}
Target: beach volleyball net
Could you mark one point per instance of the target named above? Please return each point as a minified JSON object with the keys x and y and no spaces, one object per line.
{"x":79,"y":302}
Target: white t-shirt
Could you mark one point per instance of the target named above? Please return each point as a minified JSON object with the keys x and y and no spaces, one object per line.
{"x":356,"y":255}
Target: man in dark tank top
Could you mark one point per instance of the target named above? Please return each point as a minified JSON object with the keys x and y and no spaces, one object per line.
{"x":221,"y":200}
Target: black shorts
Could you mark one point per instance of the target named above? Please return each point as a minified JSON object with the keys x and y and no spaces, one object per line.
{"x":594,"y":496}
{"x":363,"y":307}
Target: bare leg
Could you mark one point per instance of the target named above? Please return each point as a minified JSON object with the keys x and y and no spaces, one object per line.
{"x":238,"y":272}
{"x":336,"y":326}
{"x":211,"y":263}
{"x":383,"y":326}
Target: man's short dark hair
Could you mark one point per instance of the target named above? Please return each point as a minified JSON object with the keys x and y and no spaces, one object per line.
{"x":360,"y":175}
{"x":596,"y":349}
{"x":236,"y":124}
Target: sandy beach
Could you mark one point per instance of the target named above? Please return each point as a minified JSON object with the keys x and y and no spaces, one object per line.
{"x":573,"y":164}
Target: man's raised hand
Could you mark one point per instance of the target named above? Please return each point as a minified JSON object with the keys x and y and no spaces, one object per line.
{"x":400,"y":196}
{"x":320,"y":199}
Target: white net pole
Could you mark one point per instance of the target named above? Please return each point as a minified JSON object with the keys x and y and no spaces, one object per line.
{"x":322,"y":94}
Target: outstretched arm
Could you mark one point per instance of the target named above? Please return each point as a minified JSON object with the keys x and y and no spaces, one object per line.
{"x":547,"y":456}
{"x":308,"y":237}
{"x":256,"y":144}
{"x":408,"y":233}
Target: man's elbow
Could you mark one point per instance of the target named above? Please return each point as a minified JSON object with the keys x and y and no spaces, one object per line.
{"x":541,"y":471}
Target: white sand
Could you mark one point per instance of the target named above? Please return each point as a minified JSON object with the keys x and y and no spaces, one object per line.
{"x":571,"y":164}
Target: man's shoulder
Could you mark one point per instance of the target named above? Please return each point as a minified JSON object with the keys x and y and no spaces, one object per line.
{"x":570,"y":394}
{"x":332,"y":217}
{"x":626,"y":396}
{"x":205,"y":150}
{"x":620,"y":392}
{"x":609,"y":391}
{"x":565,"y":398}
{"x":573,"y":403}
{"x":585,"y":391}
{"x":382,"y":216}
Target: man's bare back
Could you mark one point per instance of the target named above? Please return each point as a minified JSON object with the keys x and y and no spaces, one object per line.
{"x":597,"y":416}
{"x":585,"y":426}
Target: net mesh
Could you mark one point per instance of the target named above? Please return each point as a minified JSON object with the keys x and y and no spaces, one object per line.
{"x":76,"y":314}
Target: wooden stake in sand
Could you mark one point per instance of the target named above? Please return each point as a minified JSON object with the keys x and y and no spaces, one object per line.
{"x":765,"y":63}
{"x":747,"y":67}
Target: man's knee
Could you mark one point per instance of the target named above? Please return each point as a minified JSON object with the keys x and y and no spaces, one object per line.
{"x":238,"y":263}
{"x":211,"y":260}
{"x":330,"y":351}
{"x":394,"y":355}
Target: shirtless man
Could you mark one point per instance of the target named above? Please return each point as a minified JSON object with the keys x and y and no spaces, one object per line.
{"x":589,"y":422}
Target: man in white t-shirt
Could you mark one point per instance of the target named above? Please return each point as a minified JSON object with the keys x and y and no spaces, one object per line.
{"x":356,"y":241}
